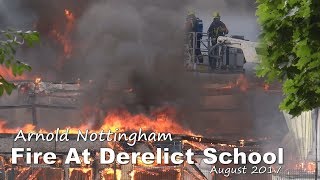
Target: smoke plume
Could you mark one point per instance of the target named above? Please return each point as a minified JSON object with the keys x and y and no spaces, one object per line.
{"x":131,"y":51}
{"x":136,"y":45}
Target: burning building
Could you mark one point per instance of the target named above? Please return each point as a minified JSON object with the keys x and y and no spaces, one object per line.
{"x":36,"y":97}
{"x":95,"y":170}
{"x":116,"y":65}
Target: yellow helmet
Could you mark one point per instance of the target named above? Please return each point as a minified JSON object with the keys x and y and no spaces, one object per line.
{"x":191,"y":12}
{"x":216,"y":15}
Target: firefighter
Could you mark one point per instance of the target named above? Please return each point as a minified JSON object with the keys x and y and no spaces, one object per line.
{"x":190,"y":22}
{"x":194,"y":26}
{"x":217,"y":28}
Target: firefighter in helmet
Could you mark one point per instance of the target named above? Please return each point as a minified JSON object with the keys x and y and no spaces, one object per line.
{"x":217,"y":28}
{"x":190,"y":21}
{"x":194,"y":27}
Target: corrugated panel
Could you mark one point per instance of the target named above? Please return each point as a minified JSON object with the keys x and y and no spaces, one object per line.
{"x":302,"y":130}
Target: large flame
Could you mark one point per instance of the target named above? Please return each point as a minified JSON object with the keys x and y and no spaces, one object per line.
{"x":121,"y":121}
{"x":125,"y":121}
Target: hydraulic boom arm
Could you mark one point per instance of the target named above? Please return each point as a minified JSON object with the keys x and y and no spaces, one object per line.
{"x":248,"y":47}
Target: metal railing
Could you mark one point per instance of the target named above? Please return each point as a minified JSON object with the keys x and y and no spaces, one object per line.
{"x":193,"y":41}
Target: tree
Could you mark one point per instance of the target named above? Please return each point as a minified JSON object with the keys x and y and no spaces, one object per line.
{"x":10,"y":41}
{"x":291,"y":50}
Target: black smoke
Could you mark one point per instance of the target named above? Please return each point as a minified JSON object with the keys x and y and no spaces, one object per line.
{"x":131,"y":51}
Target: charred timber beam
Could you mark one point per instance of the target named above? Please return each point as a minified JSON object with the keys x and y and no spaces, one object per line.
{"x":38,"y":106}
{"x":240,"y":143}
{"x":56,"y":107}
{"x":217,"y":93}
{"x":15,"y":107}
{"x":220,"y":110}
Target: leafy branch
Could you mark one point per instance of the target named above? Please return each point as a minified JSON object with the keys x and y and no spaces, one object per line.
{"x":290,"y":36}
{"x":10,"y":41}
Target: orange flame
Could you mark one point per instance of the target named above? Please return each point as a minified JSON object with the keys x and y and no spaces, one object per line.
{"x":5,"y":129}
{"x":74,"y":171}
{"x":37,"y":80}
{"x":306,"y":166}
{"x":65,"y":41}
{"x":125,"y":121}
{"x":119,"y":121}
{"x":69,"y":15}
{"x":64,"y":37}
{"x":108,"y":173}
{"x":242,"y":83}
{"x":229,"y":86}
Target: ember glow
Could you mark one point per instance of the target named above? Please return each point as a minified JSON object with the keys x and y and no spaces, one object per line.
{"x":306,"y":166}
{"x":230,"y":85}
{"x":37,"y":80}
{"x":74,"y":172}
{"x":108,"y":173}
{"x":69,"y":15}
{"x":298,"y":167}
{"x":151,"y":173}
{"x":241,"y":83}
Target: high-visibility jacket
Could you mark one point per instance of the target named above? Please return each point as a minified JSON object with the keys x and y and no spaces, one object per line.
{"x":217,"y":28}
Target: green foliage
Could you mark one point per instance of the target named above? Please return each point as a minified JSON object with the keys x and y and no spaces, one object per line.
{"x":10,"y":41}
{"x":290,"y":37}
